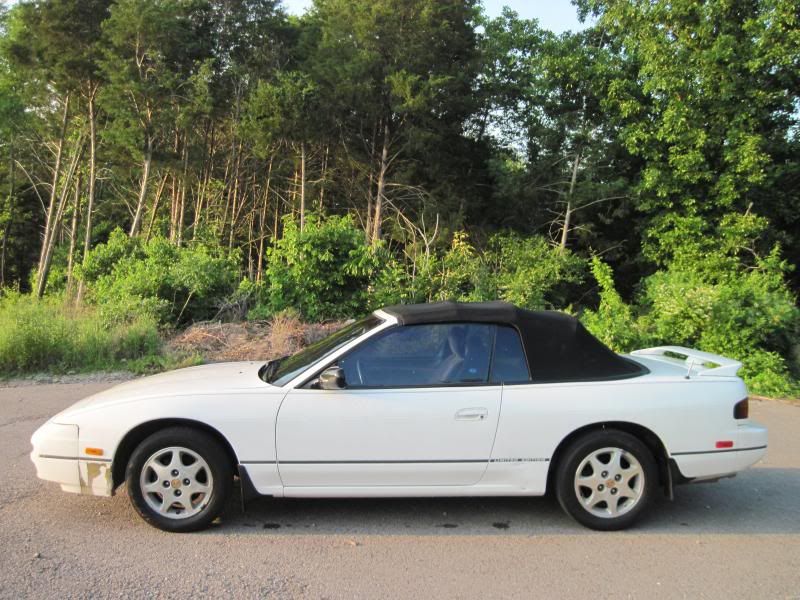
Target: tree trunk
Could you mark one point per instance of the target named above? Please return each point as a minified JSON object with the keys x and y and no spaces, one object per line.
{"x":250,"y":225}
{"x":381,"y":191}
{"x":174,"y":193}
{"x":370,"y":181}
{"x":182,"y":200}
{"x":235,"y":208}
{"x":76,"y":211}
{"x":262,"y":226}
{"x":208,"y":168}
{"x":87,"y":240}
{"x":293,"y":191}
{"x":59,"y":213}
{"x":302,"y":186}
{"x":48,"y":226}
{"x":234,"y":165}
{"x":9,"y":216}
{"x":568,"y":212}
{"x":276,"y":223}
{"x":156,"y":202}
{"x":148,"y":159}
{"x":323,"y":175}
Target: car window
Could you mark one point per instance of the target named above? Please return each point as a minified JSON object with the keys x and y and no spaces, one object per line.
{"x":509,"y":364}
{"x":422,"y":355}
{"x":282,"y":370}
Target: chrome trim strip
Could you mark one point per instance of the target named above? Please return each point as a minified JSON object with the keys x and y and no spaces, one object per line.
{"x":375,"y":462}
{"x":719,"y":451}
{"x":84,"y":458}
{"x":358,"y":462}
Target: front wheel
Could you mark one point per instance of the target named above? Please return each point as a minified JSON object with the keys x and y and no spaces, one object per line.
{"x":179,"y":479}
{"x":606,"y":479}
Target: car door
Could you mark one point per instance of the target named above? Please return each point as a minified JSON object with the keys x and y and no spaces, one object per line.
{"x":417,"y":410}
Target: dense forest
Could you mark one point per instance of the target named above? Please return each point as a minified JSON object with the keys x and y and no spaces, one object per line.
{"x":170,"y":161}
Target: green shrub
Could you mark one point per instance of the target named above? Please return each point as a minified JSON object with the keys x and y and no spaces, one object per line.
{"x":461,"y":272}
{"x":323,"y":271}
{"x":391,"y":284}
{"x":51,"y":335}
{"x":175,"y":285}
{"x":766,"y":374}
{"x":721,"y":297}
{"x":528,"y":272}
{"x":613,"y":322}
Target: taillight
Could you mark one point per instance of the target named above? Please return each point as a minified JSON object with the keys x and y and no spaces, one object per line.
{"x":741,"y":409}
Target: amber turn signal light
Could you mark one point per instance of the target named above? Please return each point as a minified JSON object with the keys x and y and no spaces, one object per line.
{"x":94,"y":451}
{"x":741,"y":409}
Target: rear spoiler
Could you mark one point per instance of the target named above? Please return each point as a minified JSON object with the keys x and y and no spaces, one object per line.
{"x":712,"y":365}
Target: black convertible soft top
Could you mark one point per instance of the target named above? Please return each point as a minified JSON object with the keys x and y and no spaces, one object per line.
{"x":557,"y":345}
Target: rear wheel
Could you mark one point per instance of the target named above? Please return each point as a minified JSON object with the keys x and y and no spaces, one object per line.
{"x":606,"y":479}
{"x":179,"y":479}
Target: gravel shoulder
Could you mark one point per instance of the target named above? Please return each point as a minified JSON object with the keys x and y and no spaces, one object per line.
{"x":101,"y":377}
{"x":738,"y":538}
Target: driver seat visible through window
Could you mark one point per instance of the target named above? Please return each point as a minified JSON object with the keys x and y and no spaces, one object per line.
{"x":422,"y":355}
{"x":453,"y":364}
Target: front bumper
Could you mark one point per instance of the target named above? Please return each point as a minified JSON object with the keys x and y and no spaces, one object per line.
{"x":56,"y":458}
{"x":750,"y":447}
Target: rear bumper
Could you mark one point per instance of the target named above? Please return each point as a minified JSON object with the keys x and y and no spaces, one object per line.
{"x":750,"y":447}
{"x":55,"y":456}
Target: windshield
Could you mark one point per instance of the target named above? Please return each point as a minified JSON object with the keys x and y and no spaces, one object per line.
{"x":282,"y":370}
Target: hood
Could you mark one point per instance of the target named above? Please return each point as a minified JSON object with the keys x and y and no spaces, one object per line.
{"x":220,"y":378}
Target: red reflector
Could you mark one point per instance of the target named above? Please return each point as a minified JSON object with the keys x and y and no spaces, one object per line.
{"x":725,"y":444}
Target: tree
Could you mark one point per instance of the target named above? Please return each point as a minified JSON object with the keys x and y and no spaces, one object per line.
{"x":145,"y":50}
{"x":394,"y":74}
{"x":284,"y":112}
{"x":55,"y":42}
{"x":12,"y":121}
{"x":509,"y":47}
{"x":68,"y":35}
{"x":715,"y":81}
{"x":573,"y":146}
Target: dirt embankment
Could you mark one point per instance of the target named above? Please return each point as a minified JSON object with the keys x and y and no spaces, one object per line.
{"x":255,"y":340}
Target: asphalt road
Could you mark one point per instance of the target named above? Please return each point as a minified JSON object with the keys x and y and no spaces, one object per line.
{"x":739,"y":538}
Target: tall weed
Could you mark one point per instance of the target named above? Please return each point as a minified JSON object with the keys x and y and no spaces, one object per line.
{"x":54,"y":336}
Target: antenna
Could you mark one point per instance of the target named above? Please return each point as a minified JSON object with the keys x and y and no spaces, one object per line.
{"x":689,"y":370}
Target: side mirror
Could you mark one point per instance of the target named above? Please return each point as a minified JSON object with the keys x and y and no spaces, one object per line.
{"x":332,"y":378}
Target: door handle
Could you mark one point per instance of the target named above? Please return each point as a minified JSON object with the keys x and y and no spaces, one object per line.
{"x":472,"y":414}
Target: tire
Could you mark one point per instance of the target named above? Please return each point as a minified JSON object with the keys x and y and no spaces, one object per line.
{"x":179,"y":479}
{"x":606,"y":479}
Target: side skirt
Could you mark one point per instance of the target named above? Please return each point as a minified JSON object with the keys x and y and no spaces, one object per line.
{"x":405,"y":491}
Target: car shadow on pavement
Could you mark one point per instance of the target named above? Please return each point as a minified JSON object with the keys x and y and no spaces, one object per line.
{"x":760,"y":501}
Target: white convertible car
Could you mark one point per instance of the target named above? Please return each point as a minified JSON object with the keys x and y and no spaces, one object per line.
{"x":439,"y":399}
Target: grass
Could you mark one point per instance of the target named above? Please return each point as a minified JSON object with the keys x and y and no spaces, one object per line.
{"x":52,"y":335}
